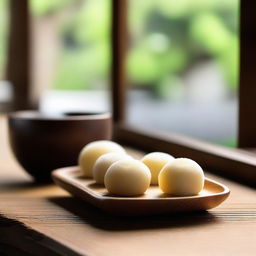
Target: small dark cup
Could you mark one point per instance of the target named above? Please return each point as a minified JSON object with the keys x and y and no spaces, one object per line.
{"x":42,"y":143}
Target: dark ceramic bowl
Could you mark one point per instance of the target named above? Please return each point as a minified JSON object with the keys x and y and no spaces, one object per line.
{"x":42,"y":143}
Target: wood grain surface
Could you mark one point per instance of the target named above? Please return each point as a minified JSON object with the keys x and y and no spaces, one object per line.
{"x":45,"y":220}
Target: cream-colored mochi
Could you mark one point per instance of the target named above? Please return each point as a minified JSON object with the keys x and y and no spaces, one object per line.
{"x":104,"y":162}
{"x":181,"y":177}
{"x":127,"y":177}
{"x":155,"y":161}
{"x":92,"y":151}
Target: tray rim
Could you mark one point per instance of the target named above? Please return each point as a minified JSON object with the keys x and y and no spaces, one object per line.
{"x":57,"y":175}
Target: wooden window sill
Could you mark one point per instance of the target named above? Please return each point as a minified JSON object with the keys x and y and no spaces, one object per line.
{"x":237,"y":164}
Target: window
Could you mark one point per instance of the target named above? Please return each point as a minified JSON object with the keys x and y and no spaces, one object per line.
{"x":182,"y":67}
{"x":236,"y":163}
{"x":70,"y":54}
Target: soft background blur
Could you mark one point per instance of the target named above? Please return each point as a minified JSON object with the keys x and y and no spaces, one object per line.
{"x":182,"y":62}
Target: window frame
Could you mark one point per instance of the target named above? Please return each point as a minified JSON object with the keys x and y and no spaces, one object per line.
{"x":18,"y":54}
{"x":238,"y":164}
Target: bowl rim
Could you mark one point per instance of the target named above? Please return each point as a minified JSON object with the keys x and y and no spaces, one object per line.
{"x":65,"y":116}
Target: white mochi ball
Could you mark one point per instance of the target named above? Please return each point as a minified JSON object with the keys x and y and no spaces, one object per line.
{"x":181,"y":177}
{"x":155,"y":161}
{"x":127,"y":178}
{"x":92,"y":151}
{"x":104,"y":162}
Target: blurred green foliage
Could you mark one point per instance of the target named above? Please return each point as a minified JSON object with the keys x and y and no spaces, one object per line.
{"x":44,"y":7}
{"x":166,"y":38}
{"x":85,"y":56}
{"x":89,"y":54}
{"x":3,"y":36}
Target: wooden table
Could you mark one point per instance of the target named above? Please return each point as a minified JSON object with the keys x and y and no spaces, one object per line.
{"x":45,"y":220}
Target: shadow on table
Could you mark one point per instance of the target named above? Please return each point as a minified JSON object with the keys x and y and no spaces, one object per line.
{"x":21,"y":185}
{"x":85,"y":212}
